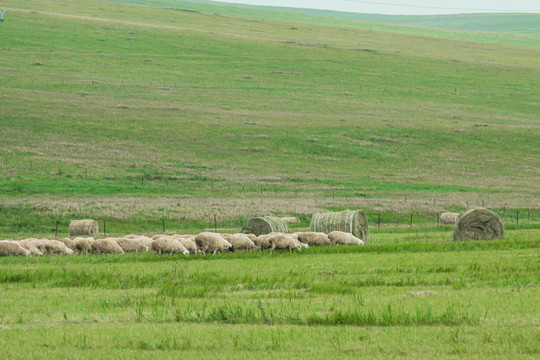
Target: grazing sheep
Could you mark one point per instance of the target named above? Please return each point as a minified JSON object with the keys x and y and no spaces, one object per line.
{"x":12,"y":248}
{"x":83,"y":245}
{"x":343,"y":238}
{"x":283,"y":242}
{"x":145,"y":240}
{"x":251,"y":237}
{"x":68,"y":242}
{"x":131,"y":245}
{"x":165,"y":245}
{"x":106,"y":246}
{"x":294,"y":236}
{"x":47,"y":247}
{"x":189,"y":244}
{"x":314,"y":239}
{"x":240,"y":241}
{"x":263,"y":241}
{"x":30,"y":246}
{"x":212,"y":242}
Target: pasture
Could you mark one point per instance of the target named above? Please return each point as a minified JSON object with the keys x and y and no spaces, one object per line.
{"x":192,"y":116}
{"x":407,"y":295}
{"x":134,"y":114}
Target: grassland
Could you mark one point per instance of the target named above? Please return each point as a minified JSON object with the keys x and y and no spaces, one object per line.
{"x":130,"y":112}
{"x":508,"y":29}
{"x":136,"y":115}
{"x":408,"y":295}
{"x":524,"y":23}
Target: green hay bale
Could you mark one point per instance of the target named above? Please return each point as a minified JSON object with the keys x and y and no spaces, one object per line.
{"x":265,"y":225}
{"x":478,"y":224}
{"x":354,"y":222}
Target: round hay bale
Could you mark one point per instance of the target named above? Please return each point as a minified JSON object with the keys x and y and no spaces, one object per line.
{"x":265,"y":225}
{"x":448,"y":218}
{"x":83,"y":227}
{"x":354,"y":222}
{"x":478,"y":224}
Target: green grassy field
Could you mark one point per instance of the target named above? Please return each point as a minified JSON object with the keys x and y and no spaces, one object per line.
{"x":410,"y":295}
{"x":174,"y":113}
{"x":128,"y":112}
{"x":508,"y":29}
{"x":525,"y":23}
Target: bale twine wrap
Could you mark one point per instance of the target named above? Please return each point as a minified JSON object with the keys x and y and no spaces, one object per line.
{"x":448,"y":218}
{"x":354,"y":222}
{"x":478,"y":224}
{"x":265,"y":225}
{"x":83,"y":227}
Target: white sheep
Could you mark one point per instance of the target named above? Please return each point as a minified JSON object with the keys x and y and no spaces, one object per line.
{"x":12,"y":248}
{"x":212,"y":242}
{"x":284,"y":242}
{"x":263,"y":241}
{"x":343,"y":238}
{"x":47,"y":247}
{"x":145,"y":240}
{"x":240,"y":241}
{"x":164,"y":245}
{"x":106,"y":246}
{"x":68,"y":242}
{"x":188,"y":241}
{"x":294,"y":236}
{"x":30,"y":246}
{"x":131,"y":245}
{"x":83,"y":245}
{"x":314,"y":239}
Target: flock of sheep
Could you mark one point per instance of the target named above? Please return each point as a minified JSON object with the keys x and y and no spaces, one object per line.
{"x":205,"y":242}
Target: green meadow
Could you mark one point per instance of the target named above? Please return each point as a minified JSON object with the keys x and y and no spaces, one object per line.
{"x":409,"y":295}
{"x":187,"y":116}
{"x":125,"y":112}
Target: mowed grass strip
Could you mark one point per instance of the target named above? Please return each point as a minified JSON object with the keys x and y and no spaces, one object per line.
{"x":380,"y":303}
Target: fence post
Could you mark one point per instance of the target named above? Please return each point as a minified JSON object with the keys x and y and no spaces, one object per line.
{"x":438,"y":220}
{"x":104,"y":228}
{"x":56,"y":230}
{"x":215,"y":223}
{"x":379,"y":222}
{"x":163,"y":224}
{"x":411,"y":220}
{"x":517,"y":217}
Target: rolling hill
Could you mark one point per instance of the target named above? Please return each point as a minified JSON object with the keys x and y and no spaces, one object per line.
{"x":102,"y":100}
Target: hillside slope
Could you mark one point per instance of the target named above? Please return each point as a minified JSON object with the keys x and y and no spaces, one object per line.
{"x":106,"y":99}
{"x":506,"y":29}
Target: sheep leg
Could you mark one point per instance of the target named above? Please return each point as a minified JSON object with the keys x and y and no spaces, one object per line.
{"x":272,"y":249}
